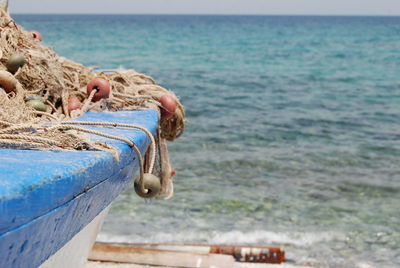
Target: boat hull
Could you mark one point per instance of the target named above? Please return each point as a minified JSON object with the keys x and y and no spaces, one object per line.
{"x":75,"y":252}
{"x":47,"y":198}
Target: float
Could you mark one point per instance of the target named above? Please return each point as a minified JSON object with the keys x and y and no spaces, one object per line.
{"x":71,"y":139}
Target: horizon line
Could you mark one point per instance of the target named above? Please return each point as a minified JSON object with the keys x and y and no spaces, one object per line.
{"x":215,"y":14}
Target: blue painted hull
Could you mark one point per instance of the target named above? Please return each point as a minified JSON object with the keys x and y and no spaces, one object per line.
{"x":48,"y":197}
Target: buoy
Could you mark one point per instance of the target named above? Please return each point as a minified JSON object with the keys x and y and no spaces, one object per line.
{"x":37,"y":105}
{"x":7,"y":81}
{"x":101,"y":85}
{"x":73,"y":103}
{"x":36,"y":35}
{"x":173,"y":172}
{"x":33,"y":97}
{"x":168,"y":104}
{"x":15,"y":62}
{"x":151,"y":183}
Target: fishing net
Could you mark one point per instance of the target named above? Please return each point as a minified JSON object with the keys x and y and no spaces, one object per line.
{"x":40,"y":92}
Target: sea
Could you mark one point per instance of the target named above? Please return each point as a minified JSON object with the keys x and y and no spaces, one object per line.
{"x":293,"y":132}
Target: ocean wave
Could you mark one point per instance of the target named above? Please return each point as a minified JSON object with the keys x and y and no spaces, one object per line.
{"x":260,"y":237}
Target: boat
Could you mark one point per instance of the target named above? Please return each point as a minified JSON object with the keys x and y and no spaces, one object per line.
{"x":53,"y":203}
{"x":71,"y":139}
{"x":57,"y":185}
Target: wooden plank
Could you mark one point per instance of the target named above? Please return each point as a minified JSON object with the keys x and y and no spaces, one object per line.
{"x":171,"y":258}
{"x":256,"y":254}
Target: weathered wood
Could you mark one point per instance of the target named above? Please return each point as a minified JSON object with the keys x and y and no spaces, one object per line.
{"x":171,"y":258}
{"x":255,"y":254}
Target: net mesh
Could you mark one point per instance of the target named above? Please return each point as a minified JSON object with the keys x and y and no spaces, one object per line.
{"x":39,"y":92}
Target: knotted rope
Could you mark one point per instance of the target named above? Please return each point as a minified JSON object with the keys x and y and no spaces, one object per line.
{"x":51,"y":80}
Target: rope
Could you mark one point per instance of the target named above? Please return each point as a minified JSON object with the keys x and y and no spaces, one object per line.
{"x":78,"y":93}
{"x":167,"y":188}
{"x":46,"y":114}
{"x":51,"y":105}
{"x":54,"y":79}
{"x":64,"y":99}
{"x":112,"y":124}
{"x":129,"y":142}
{"x":5,"y":123}
{"x":19,"y":145}
{"x":30,"y":139}
{"x":22,"y":127}
{"x":132,"y":97}
{"x":86,"y":105}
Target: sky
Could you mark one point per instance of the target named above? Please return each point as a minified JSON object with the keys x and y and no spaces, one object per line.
{"x":265,"y":7}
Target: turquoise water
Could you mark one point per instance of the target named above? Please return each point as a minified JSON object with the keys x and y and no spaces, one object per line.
{"x":294,"y":129}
